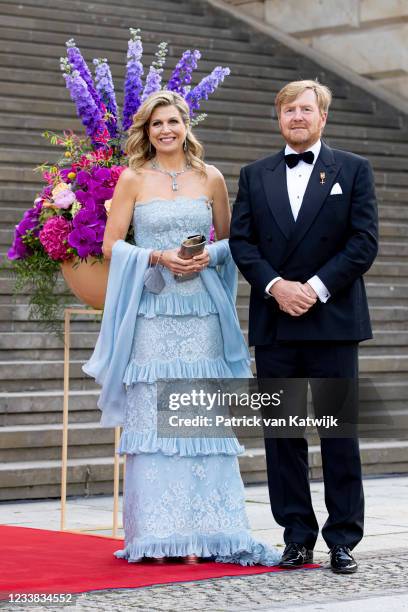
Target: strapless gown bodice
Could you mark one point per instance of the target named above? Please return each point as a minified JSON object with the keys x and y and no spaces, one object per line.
{"x":164,"y":224}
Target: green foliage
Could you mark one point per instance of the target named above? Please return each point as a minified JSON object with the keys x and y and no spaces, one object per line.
{"x":38,"y":275}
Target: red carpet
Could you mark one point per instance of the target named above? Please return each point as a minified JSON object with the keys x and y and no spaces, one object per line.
{"x":41,"y":561}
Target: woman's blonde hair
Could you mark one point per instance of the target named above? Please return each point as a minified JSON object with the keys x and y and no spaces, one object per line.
{"x":138,"y":146}
{"x":292,"y":90}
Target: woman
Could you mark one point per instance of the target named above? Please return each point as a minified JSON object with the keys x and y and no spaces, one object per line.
{"x":184,"y":497}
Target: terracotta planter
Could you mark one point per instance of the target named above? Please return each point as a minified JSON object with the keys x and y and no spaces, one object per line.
{"x":87,"y":280}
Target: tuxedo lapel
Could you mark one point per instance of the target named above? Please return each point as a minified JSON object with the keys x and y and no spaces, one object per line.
{"x":275,"y":186}
{"x":318,"y":188}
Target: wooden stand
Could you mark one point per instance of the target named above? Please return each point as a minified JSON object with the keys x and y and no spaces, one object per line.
{"x":64,"y":459}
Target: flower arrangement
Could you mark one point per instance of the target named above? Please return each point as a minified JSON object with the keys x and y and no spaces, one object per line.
{"x":68,"y":218}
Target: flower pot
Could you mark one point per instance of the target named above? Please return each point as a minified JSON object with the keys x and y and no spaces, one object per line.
{"x":87,"y":279}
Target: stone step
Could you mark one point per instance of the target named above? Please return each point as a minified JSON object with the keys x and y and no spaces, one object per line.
{"x":264,"y":124}
{"x":7,"y":286}
{"x":385,"y":345}
{"x":145,"y":20}
{"x":163,"y":12}
{"x":219,"y":107}
{"x":38,"y":479}
{"x":253,"y":124}
{"x":30,"y":354}
{"x":45,"y":340}
{"x":115,"y":49}
{"x":383,"y":363}
{"x":384,"y":268}
{"x":39,"y":65}
{"x":388,"y":230}
{"x":393,"y":249}
{"x":267,"y":71}
{"x":57,"y":92}
{"x":272,"y":140}
{"x":42,"y":442}
{"x":28,"y":346}
{"x":33,"y":373}
{"x":34,"y":326}
{"x":377,"y":458}
{"x":383,"y":314}
{"x":395,"y":338}
{"x":86,"y":339}
{"x":36,"y":20}
{"x":45,"y":407}
{"x":391,"y":213}
{"x":392,"y":196}
{"x":89,"y":476}
{"x":105,"y":9}
{"x":20,"y":312}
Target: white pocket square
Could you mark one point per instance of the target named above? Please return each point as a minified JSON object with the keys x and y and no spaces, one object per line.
{"x":336,"y":189}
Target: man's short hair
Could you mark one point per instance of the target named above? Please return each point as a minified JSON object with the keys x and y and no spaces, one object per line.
{"x":292,"y":90}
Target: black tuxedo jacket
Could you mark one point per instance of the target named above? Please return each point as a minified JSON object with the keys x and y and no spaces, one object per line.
{"x":334,"y":236}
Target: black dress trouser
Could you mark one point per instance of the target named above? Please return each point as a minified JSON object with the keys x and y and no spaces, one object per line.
{"x":287,"y":458}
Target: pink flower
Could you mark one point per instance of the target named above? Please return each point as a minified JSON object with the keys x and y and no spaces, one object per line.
{"x":54,"y":238}
{"x":64,"y":199}
{"x":116,"y":171}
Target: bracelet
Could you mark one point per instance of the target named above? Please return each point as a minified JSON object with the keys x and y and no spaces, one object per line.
{"x":159,"y":258}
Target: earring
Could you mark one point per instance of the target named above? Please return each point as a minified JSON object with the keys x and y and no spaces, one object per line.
{"x":150,"y":147}
{"x":185,"y":147}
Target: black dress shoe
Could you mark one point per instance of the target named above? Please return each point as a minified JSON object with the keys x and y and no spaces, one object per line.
{"x":296,"y":555}
{"x":342,"y":561}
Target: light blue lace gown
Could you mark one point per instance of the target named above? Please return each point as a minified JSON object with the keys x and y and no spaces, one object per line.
{"x":182,"y":496}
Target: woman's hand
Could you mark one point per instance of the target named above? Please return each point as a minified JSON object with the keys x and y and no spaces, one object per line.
{"x":202,"y":260}
{"x":171,"y":260}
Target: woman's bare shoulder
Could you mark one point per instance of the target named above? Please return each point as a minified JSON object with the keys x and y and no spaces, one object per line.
{"x":129,"y":176}
{"x":213,"y":173}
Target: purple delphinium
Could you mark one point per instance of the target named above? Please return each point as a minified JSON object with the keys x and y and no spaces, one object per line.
{"x":154,"y":77}
{"x":87,"y":110}
{"x":205,"y":87}
{"x":181,"y":74}
{"x":106,"y":91}
{"x":133,"y":81}
{"x":77,"y":62}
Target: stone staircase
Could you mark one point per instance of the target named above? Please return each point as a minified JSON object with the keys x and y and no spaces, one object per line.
{"x":239,"y":129}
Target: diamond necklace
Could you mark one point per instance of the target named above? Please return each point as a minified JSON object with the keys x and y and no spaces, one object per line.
{"x":171,"y":173}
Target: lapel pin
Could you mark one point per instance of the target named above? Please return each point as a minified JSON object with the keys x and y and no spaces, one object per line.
{"x":322,"y":178}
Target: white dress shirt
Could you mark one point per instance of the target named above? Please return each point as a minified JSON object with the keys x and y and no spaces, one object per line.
{"x":297,"y":179}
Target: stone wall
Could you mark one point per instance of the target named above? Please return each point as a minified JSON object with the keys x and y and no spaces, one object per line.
{"x":368,"y":36}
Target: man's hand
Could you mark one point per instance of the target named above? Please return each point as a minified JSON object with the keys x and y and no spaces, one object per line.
{"x":292,"y":297}
{"x":309,"y":290}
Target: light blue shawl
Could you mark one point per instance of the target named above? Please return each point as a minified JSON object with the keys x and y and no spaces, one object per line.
{"x":125,"y":285}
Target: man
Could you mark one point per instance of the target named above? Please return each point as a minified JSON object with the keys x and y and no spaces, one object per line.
{"x":303,"y":232}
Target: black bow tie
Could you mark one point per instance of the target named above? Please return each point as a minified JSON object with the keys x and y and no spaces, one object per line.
{"x":292,"y":159}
